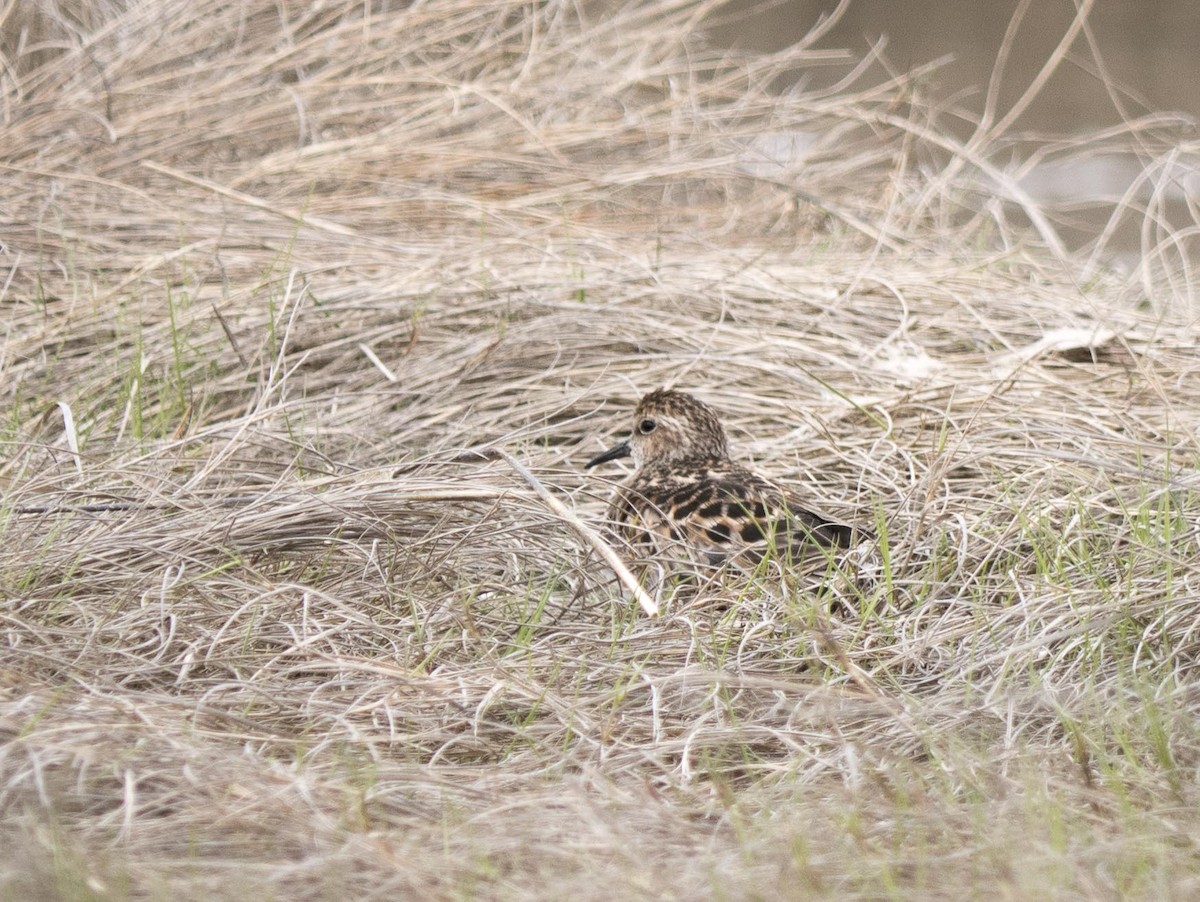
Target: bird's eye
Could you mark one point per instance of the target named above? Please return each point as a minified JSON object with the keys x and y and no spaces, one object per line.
{"x":645,"y":427}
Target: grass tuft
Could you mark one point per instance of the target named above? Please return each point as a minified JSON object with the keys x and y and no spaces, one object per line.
{"x":312,"y":314}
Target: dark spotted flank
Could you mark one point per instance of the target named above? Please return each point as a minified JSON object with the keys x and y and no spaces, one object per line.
{"x":685,"y":492}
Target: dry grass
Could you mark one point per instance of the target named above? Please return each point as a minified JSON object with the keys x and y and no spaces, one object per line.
{"x":273,"y":269}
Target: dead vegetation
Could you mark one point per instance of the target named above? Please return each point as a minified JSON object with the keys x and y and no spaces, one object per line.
{"x":275,"y":275}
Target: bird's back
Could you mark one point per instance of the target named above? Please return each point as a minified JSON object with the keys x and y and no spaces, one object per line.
{"x":719,"y":511}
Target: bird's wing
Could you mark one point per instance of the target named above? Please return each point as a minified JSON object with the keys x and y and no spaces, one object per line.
{"x":810,"y":525}
{"x":766,"y":513}
{"x":723,"y":512}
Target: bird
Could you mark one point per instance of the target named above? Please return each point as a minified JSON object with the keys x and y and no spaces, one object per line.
{"x":686,"y":493}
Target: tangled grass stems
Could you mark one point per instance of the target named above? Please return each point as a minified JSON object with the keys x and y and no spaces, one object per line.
{"x":272,"y":624}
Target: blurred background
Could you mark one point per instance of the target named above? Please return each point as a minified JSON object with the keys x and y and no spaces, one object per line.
{"x":1151,"y":48}
{"x":1132,"y":68}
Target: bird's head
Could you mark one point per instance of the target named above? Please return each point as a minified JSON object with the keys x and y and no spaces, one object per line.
{"x":668,"y":426}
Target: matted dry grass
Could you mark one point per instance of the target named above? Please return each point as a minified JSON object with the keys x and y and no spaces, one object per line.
{"x":271,"y":626}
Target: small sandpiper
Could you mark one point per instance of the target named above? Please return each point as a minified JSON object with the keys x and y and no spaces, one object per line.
{"x":685,"y":493}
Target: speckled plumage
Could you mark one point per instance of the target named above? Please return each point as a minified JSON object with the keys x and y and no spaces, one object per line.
{"x":686,"y":493}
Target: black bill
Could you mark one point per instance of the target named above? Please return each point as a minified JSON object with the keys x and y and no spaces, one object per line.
{"x":621,"y":450}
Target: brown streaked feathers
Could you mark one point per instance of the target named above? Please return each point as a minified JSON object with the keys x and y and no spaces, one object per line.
{"x":685,"y":491}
